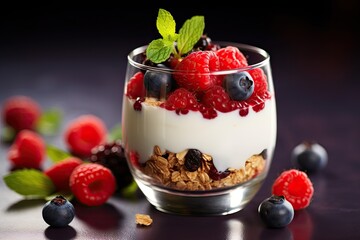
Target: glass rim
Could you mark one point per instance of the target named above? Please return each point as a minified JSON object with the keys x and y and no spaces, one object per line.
{"x":241,"y":47}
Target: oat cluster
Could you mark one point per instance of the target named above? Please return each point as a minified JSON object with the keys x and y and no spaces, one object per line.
{"x":168,"y":169}
{"x":143,"y":219}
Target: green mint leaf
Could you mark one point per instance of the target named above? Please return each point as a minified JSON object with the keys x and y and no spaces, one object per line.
{"x":115,"y":133}
{"x":190,"y":33}
{"x":56,"y":154}
{"x":49,"y":122}
{"x":130,"y":190}
{"x":166,"y":25}
{"x":8,"y":134}
{"x":30,"y":183}
{"x":159,"y":50}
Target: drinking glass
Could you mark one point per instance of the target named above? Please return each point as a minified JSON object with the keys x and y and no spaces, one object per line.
{"x":198,"y":160}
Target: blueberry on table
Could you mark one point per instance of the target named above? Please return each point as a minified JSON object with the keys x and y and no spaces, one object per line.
{"x":309,"y":157}
{"x":239,"y":85}
{"x":58,"y":212}
{"x":276,"y":211}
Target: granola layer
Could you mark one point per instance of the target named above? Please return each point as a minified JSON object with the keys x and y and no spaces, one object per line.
{"x":168,"y":168}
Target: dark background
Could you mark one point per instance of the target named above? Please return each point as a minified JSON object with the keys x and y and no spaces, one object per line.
{"x":74,"y":58}
{"x":318,"y":39}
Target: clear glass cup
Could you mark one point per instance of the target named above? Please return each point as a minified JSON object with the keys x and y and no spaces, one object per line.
{"x":198,"y":161}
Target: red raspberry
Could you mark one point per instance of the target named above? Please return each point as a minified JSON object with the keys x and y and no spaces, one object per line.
{"x":230,"y":57}
{"x":196,"y":68}
{"x":173,"y":62}
{"x":134,"y":159}
{"x":260,"y":81}
{"x":135,"y":87}
{"x":21,"y":112}
{"x":217,"y":98}
{"x":27,"y":150}
{"x":60,"y":172}
{"x":181,"y":100}
{"x":258,"y":101}
{"x":207,"y":112}
{"x":295,"y":186}
{"x":92,"y":184}
{"x":84,"y":133}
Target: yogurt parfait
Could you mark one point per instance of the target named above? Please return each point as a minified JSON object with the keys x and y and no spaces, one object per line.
{"x":198,"y":119}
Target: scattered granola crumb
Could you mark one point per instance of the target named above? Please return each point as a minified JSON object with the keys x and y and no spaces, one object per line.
{"x":143,"y":219}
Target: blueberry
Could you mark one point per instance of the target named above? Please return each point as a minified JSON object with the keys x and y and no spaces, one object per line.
{"x":58,"y":212}
{"x":239,"y":85}
{"x":276,"y":211}
{"x":309,"y":157}
{"x":157,"y":83}
{"x":193,"y":160}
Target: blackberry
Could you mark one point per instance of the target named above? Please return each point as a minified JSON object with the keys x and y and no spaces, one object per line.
{"x":112,"y":156}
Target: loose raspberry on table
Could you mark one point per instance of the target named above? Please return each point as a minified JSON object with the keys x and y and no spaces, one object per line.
{"x":194,"y":71}
{"x":92,"y":184}
{"x":60,"y":172}
{"x":21,"y":112}
{"x":295,"y":186}
{"x":27,"y":150}
{"x":181,"y":101}
{"x":84,"y":133}
{"x":135,"y":87}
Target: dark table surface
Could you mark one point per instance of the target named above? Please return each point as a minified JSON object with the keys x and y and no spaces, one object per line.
{"x":75,"y":60}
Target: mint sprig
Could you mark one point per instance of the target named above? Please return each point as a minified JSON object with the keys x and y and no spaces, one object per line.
{"x":115,"y":133}
{"x":190,"y":33}
{"x":56,"y":154}
{"x":159,"y":50}
{"x":49,"y":122}
{"x":30,"y":183}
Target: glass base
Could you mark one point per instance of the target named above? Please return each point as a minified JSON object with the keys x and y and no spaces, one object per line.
{"x":222,"y":201}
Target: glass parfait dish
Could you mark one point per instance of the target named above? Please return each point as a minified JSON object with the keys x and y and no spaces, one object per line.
{"x":200,"y":152}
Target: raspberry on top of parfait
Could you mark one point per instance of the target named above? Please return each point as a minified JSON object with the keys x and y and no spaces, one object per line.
{"x":191,"y":85}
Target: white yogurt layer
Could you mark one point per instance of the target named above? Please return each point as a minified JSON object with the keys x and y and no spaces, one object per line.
{"x":229,"y":138}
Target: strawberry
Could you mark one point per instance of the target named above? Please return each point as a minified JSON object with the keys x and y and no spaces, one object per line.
{"x":195,"y":69}
{"x":295,"y":186}
{"x":21,"y":112}
{"x":92,"y":184}
{"x":230,"y":57}
{"x":60,"y":172}
{"x":181,"y":100}
{"x":135,"y":87}
{"x":84,"y":133}
{"x":27,"y":150}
